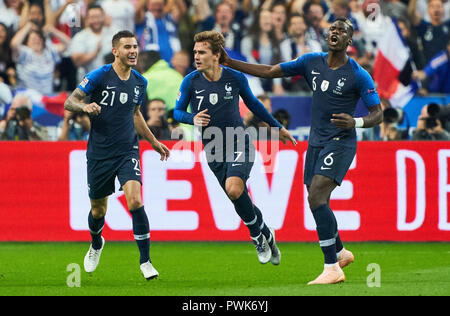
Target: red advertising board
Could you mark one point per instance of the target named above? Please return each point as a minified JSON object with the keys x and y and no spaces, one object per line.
{"x":394,"y":191}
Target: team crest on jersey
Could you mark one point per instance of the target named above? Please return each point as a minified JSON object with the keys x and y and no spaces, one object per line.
{"x":213,"y":98}
{"x":228,"y":90}
{"x":324,"y":85}
{"x":339,"y":86}
{"x":123,"y":98}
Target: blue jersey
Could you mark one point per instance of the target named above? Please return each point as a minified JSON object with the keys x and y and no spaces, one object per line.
{"x":334,"y":91}
{"x":112,"y":131}
{"x":221,"y":98}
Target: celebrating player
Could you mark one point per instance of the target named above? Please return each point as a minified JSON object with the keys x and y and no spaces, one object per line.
{"x":116,"y":93}
{"x":213,"y":92}
{"x":337,"y":82}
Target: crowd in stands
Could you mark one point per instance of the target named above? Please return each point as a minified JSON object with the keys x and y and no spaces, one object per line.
{"x":47,"y":46}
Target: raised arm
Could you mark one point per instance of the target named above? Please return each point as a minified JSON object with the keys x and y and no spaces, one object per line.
{"x":412,"y":13}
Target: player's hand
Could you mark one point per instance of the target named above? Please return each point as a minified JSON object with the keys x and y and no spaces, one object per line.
{"x":201,"y":118}
{"x":343,"y":120}
{"x":162,"y":150}
{"x":285,"y":136}
{"x":92,"y":108}
{"x":224,"y":59}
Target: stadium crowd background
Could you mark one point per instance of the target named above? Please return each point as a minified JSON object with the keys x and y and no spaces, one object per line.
{"x":47,"y":46}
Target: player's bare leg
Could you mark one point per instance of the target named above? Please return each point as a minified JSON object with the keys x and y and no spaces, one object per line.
{"x":141,"y":227}
{"x":96,"y":222}
{"x":318,"y":198}
{"x":235,"y":189}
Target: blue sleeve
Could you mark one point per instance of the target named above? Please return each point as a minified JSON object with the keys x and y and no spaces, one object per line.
{"x":91,"y":81}
{"x":366,"y":88}
{"x":254,"y":104}
{"x":183,"y":100}
{"x":142,"y":96}
{"x":435,"y":63}
{"x":298,"y":66}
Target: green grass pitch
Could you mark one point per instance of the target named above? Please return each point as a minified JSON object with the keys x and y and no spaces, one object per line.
{"x":223,"y":269}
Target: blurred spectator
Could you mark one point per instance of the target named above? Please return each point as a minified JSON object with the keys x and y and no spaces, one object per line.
{"x":90,"y":45}
{"x":283,"y":117}
{"x":75,"y":126}
{"x":314,"y":14}
{"x":36,"y":60}
{"x":163,"y":81}
{"x":223,"y":22}
{"x":372,"y":25}
{"x":18,"y":124}
{"x":293,"y":47}
{"x":394,"y":8}
{"x":279,"y":20}
{"x":157,"y":120}
{"x":341,"y":9}
{"x":416,"y":53}
{"x":181,"y":62}
{"x":160,"y":31}
{"x":261,"y":46}
{"x":5,"y":98}
{"x":296,"y":6}
{"x":433,"y":35}
{"x":66,"y":16}
{"x":33,"y":12}
{"x":10,"y":14}
{"x":7,"y":66}
{"x":438,"y":72}
{"x":178,"y":131}
{"x":120,"y":15}
{"x":429,"y":127}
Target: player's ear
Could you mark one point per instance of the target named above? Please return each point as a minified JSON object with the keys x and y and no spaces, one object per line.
{"x":350,"y":42}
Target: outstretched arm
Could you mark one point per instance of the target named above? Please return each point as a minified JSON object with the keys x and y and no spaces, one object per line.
{"x":264,"y":71}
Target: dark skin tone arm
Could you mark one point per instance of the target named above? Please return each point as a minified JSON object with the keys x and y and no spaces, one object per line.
{"x":263,"y":71}
{"x":346,"y":121}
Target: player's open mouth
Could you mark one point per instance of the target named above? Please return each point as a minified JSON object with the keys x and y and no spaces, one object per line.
{"x":334,"y":39}
{"x":132,"y":58}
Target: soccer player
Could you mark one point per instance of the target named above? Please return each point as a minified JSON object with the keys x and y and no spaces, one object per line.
{"x":337,"y":83}
{"x":116,"y":93}
{"x":213,"y":92}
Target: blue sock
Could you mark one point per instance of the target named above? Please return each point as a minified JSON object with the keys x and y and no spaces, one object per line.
{"x":339,"y":245}
{"x":326,"y":230}
{"x":262,"y":225}
{"x":141,"y":231}
{"x":244,"y":208}
{"x":96,"y":227}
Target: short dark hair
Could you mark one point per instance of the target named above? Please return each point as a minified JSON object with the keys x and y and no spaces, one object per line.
{"x":349,"y":24}
{"x":94,"y":6}
{"x":122,"y":34}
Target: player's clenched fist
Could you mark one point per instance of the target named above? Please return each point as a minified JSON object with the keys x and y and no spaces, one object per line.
{"x":92,"y":108}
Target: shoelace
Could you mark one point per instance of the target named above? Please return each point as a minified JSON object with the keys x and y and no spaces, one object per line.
{"x":260,"y":247}
{"x":92,"y":253}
